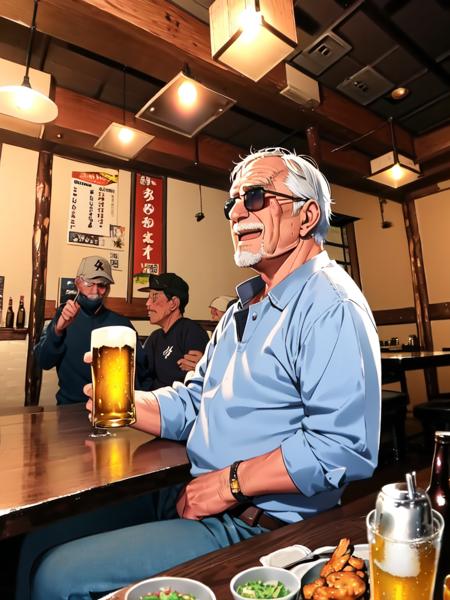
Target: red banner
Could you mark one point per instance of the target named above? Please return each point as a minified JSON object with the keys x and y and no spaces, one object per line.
{"x":149,"y":230}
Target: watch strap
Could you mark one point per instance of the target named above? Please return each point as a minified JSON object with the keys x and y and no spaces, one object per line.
{"x":235,"y":488}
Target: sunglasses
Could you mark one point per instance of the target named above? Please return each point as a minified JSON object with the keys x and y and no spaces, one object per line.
{"x":254,"y":199}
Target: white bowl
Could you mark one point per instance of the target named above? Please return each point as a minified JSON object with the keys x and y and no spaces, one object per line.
{"x":265,"y":574}
{"x":176,"y":584}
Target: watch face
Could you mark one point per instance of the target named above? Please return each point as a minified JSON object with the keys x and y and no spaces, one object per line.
{"x":234,"y":484}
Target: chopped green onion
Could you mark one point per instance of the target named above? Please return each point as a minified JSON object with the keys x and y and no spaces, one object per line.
{"x":266,"y":591}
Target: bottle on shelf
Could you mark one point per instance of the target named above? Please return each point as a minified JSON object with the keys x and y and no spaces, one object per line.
{"x":439,"y":493}
{"x":9,"y":319}
{"x":20,"y":319}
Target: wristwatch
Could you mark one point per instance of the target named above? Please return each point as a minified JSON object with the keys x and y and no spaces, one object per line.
{"x":235,"y":488}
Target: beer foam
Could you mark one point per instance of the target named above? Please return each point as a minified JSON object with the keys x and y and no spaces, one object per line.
{"x":115,"y":336}
{"x":400,"y":560}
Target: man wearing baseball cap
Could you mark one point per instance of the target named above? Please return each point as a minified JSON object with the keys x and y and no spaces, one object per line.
{"x":178,"y":345}
{"x":218,"y":306}
{"x":68,"y":336}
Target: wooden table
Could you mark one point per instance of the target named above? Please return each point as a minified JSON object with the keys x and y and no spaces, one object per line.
{"x":217,"y":568}
{"x":51,"y":468}
{"x":400,"y":362}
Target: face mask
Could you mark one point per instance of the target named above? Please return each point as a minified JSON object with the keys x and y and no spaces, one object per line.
{"x":89,"y":306}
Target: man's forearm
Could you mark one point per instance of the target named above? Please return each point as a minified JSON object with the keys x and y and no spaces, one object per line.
{"x":265,"y":474}
{"x":148,"y":417}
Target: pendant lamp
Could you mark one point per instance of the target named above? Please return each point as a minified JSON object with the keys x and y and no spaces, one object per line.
{"x":393,"y":169}
{"x":22,"y":101}
{"x":120,"y":140}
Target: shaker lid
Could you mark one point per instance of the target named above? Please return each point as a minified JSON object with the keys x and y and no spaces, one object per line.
{"x":403,"y":511}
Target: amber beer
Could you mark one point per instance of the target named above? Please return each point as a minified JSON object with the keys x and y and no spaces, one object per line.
{"x":113,"y":365}
{"x":404,"y":570}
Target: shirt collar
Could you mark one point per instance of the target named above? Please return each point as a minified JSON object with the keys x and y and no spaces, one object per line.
{"x":282,"y":293}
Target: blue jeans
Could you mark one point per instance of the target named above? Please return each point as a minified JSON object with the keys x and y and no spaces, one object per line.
{"x":109,"y":548}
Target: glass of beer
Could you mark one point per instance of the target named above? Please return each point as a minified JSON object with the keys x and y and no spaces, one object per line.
{"x":446,"y":595}
{"x":113,"y":366}
{"x":403,"y":569}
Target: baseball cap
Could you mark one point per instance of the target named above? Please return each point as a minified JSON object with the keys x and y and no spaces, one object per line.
{"x":169,"y":283}
{"x":95,"y":266}
{"x":221,"y":302}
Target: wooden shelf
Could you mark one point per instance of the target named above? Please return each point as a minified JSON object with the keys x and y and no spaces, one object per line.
{"x":9,"y":333}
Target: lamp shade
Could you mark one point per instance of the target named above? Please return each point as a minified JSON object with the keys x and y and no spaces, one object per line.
{"x":185,"y":106}
{"x":252,"y":36}
{"x":23,"y":102}
{"x":124,"y":142}
{"x":393,"y":169}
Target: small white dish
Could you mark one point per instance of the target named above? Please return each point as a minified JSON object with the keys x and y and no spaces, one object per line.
{"x":360,"y":550}
{"x":284,"y":556}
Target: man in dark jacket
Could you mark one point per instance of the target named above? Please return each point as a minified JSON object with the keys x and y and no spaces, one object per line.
{"x":68,"y":336}
{"x":178,"y":345}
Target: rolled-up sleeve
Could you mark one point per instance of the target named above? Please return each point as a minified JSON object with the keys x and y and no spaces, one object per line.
{"x":339,"y":378}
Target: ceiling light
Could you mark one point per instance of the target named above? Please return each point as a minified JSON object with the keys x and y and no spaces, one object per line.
{"x":120,"y":140}
{"x":123,"y":142}
{"x":22,"y":101}
{"x":251,"y":36}
{"x":393,"y":169}
{"x":399,"y":93}
{"x":184,"y":106}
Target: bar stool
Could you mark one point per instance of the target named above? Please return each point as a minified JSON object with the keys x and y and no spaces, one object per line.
{"x":393,"y":416}
{"x":434,"y":416}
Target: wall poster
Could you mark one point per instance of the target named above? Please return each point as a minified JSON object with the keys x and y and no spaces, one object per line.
{"x":149,"y":251}
{"x":93,"y":211}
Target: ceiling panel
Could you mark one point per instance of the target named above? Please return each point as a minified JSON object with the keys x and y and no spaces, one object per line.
{"x":425,"y":22}
{"x":368,"y":41}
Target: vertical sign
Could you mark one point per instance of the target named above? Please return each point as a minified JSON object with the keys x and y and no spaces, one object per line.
{"x":149,"y":226}
{"x":92,"y":208}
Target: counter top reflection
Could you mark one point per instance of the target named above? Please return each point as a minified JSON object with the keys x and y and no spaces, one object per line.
{"x":52,"y":468}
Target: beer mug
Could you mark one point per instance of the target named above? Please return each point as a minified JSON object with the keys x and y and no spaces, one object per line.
{"x":113,"y":365}
{"x":404,"y":535}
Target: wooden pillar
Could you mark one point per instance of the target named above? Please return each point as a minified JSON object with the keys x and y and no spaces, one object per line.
{"x":312,"y":137}
{"x":33,"y":374}
{"x":421,"y":302}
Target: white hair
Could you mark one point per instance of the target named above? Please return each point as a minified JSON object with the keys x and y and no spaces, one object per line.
{"x":304,"y":180}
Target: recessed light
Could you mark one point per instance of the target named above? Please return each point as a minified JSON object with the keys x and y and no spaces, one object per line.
{"x":399,"y":93}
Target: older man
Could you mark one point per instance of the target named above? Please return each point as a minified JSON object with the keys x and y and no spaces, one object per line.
{"x":68,"y":336}
{"x":178,"y":345}
{"x":284,"y":407}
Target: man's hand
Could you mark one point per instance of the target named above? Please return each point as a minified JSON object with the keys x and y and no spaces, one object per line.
{"x":67,"y":316}
{"x":206,"y":495}
{"x":190,"y":360}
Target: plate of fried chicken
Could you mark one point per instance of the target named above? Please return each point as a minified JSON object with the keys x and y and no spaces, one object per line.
{"x":343,"y":576}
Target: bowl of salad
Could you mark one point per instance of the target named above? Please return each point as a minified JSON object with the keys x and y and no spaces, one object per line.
{"x":170,"y":588}
{"x":266,"y":583}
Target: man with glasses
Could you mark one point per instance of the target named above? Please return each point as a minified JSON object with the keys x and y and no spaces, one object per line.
{"x":178,"y":345}
{"x":68,"y":336}
{"x":283,"y":410}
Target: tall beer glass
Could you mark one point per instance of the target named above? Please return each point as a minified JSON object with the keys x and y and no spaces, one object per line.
{"x":113,"y":366}
{"x":404,"y":570}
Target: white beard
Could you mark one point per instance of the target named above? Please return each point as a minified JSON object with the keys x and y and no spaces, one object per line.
{"x":247,"y":259}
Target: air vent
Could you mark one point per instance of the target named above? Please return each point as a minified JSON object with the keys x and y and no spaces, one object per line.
{"x":300,"y":88}
{"x":325,"y":51}
{"x":365,"y":86}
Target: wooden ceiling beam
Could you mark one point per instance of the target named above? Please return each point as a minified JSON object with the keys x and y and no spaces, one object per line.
{"x":157,"y":38}
{"x":432,"y":145}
